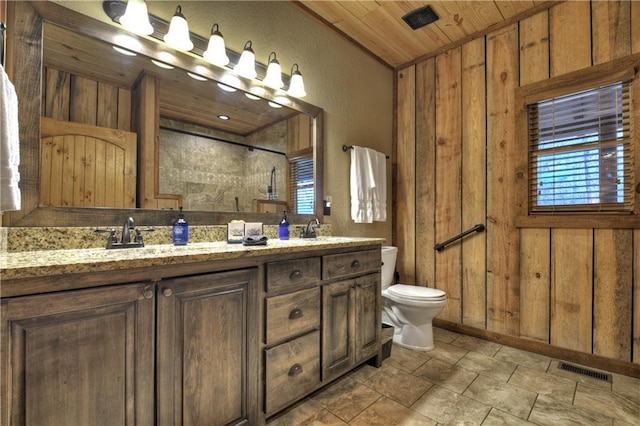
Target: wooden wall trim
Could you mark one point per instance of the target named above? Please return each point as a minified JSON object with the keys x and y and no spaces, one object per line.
{"x":590,"y":360}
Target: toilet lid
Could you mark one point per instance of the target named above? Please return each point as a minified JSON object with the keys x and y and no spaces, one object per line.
{"x":414,"y":292}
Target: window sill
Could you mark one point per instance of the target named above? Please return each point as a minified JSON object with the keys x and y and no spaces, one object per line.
{"x":558,"y":220}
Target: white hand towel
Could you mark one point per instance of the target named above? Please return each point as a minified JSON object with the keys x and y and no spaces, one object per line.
{"x":361,"y":183}
{"x":380,"y":191}
{"x":9,"y":145}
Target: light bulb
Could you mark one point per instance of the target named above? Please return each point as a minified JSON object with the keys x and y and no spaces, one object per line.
{"x":246,"y":66}
{"x":136,"y":18}
{"x":178,"y":35}
{"x":216,"y":52}
{"x":273,"y":78}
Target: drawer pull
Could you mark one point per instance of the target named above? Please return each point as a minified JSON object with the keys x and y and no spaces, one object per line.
{"x":148,"y":293}
{"x":355,"y":264}
{"x":167,"y":292}
{"x":295,"y":370}
{"x":295,"y":274}
{"x":295,"y":314}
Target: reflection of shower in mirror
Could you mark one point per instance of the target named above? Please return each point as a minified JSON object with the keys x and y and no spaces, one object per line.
{"x":271,"y":188}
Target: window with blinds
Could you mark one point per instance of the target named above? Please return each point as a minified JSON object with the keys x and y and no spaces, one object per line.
{"x":580,"y":152}
{"x":301,"y":185}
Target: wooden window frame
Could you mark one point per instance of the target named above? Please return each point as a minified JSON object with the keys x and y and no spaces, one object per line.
{"x":608,"y":73}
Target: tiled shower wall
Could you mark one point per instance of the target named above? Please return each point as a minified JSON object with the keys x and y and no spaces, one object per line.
{"x":210,"y":173}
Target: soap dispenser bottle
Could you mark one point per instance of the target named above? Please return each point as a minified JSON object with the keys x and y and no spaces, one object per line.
{"x":283,"y":229}
{"x":180,"y":230}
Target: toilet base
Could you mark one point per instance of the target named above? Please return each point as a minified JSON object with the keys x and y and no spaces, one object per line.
{"x":415,"y":338}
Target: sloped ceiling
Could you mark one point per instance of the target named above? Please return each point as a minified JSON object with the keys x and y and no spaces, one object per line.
{"x":378,"y":27}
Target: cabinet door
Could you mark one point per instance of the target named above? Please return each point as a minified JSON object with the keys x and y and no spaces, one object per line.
{"x":368,"y":316}
{"x":207,"y":349}
{"x":338,"y":328}
{"x":81,"y":357}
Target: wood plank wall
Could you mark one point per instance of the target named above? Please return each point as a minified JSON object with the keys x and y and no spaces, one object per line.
{"x":457,"y":164}
{"x":80,"y":99}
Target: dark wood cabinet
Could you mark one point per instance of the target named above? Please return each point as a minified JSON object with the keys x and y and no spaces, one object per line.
{"x":82,"y":357}
{"x":207,"y":349}
{"x":89,"y":357}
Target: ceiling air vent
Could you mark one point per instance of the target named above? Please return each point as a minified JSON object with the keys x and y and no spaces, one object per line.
{"x":420,"y":17}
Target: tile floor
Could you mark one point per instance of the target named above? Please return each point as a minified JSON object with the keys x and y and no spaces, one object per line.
{"x":468,"y":381}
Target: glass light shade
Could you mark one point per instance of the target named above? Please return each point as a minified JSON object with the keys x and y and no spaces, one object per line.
{"x":296,"y":86}
{"x":246,"y":66}
{"x":178,"y":35}
{"x":273,"y":78}
{"x":136,"y":18}
{"x":216,"y":52}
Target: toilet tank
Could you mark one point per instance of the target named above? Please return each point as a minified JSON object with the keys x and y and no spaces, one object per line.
{"x":389,"y":254}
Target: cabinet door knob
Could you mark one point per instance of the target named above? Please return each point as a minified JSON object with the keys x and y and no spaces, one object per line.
{"x":147,"y":293}
{"x":295,"y":314}
{"x":355,"y":264}
{"x":295,"y":370}
{"x":167,"y":292}
{"x":295,"y":274}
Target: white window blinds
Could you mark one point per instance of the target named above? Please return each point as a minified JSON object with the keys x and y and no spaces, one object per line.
{"x":580,"y":152}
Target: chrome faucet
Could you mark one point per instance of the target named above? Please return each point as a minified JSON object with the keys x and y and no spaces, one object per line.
{"x":310,"y":230}
{"x":126,"y":230}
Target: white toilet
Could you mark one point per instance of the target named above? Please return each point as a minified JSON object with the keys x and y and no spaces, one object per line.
{"x":409,"y":308}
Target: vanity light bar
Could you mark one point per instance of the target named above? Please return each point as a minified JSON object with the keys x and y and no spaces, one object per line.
{"x":115,"y":9}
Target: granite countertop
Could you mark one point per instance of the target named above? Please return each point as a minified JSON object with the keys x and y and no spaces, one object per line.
{"x":30,"y":264}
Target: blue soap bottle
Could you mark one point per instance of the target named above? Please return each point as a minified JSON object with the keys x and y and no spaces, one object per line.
{"x":180,"y":230}
{"x":283,"y":229}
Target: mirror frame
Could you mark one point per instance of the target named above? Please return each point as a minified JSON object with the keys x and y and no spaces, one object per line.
{"x":24,"y":65}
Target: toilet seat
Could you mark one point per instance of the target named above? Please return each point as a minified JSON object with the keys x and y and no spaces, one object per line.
{"x":416,"y":293}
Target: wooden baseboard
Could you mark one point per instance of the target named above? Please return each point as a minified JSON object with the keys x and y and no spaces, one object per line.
{"x":590,"y":360}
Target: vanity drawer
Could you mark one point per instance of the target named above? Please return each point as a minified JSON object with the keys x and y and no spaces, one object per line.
{"x":292,"y":314}
{"x":292,"y":370}
{"x":345,"y":264}
{"x":292,"y":275}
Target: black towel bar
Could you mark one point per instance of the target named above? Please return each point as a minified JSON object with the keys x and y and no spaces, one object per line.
{"x":346,"y":148}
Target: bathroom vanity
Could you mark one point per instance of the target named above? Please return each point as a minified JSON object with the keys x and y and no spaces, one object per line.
{"x":209,"y":333}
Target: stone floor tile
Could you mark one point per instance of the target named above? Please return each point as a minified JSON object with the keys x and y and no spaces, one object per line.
{"x":386,"y":412}
{"x":446,"y":375}
{"x":407,"y":359}
{"x":550,"y":411}
{"x":544,"y":383}
{"x":450,"y":408}
{"x":477,"y":345}
{"x":529,"y":359}
{"x":307,"y":413}
{"x":497,"y":394}
{"x":488,"y":366}
{"x":364,"y":372}
{"x":346,"y":398}
{"x":447,"y":352}
{"x":398,"y":385}
{"x":446,"y":336}
{"x":500,"y":418}
{"x":608,"y":403}
{"x":627,"y":386}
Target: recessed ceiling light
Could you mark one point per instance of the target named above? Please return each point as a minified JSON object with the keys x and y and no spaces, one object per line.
{"x":124,"y":51}
{"x":162,"y":65}
{"x":226,"y":88}
{"x":196,"y":76}
{"x":274,"y":105}
{"x":223,"y":117}
{"x":252,"y":97}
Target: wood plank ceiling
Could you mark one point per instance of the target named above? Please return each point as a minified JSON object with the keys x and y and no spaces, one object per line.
{"x":378,"y":27}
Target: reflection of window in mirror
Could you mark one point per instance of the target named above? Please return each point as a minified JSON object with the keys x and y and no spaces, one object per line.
{"x":301,"y":185}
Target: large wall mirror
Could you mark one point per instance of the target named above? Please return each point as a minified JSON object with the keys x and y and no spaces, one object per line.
{"x":219,"y":153}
